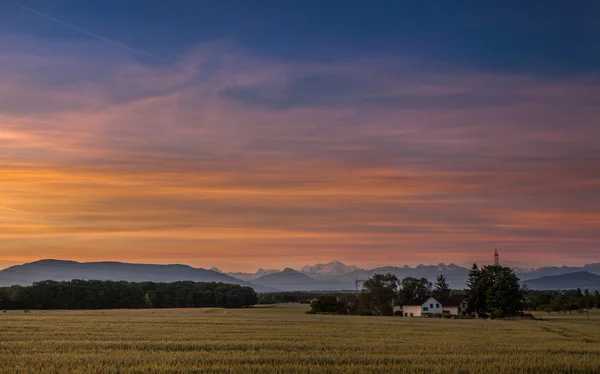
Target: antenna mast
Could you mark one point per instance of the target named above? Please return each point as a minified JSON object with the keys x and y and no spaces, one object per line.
{"x":356,"y":282}
{"x":496,"y":257}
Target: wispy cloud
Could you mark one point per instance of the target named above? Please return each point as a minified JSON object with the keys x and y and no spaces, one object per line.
{"x":87,"y":32}
{"x":226,"y":157}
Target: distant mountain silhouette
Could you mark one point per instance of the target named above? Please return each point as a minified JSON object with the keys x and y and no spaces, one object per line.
{"x":336,"y":275}
{"x":455,"y":275}
{"x":580,"y":279}
{"x":288,"y":279}
{"x":332,"y":276}
{"x":61,"y":270}
{"x":251,"y":276}
{"x":555,"y":270}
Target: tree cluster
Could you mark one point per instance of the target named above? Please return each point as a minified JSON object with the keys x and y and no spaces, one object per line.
{"x":379,"y":295}
{"x":96,"y":294}
{"x":302,"y":297}
{"x":494,"y":291}
{"x":563,"y":301}
{"x":331,"y":304}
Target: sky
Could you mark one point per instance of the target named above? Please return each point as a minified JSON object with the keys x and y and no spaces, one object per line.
{"x":268,"y":134}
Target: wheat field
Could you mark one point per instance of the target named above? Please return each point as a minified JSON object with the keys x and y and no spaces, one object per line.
{"x":283,"y":339}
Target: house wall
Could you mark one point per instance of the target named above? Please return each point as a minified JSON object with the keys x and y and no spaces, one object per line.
{"x":437,"y":308}
{"x":456,"y":310}
{"x":415,"y":310}
{"x":431,"y":306}
{"x":451,"y":310}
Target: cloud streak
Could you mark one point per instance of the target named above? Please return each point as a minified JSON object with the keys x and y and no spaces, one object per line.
{"x":227,"y":158}
{"x":87,"y":32}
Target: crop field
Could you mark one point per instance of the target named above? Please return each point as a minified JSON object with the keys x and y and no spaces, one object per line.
{"x":284,"y":339}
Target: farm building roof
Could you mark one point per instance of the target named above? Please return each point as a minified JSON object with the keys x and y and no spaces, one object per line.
{"x":417,"y":300}
{"x":453,"y":300}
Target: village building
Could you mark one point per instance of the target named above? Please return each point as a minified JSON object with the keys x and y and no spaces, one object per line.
{"x":421,"y":306}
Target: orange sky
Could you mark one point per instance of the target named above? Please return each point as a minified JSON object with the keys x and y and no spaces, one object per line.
{"x":182,"y":163}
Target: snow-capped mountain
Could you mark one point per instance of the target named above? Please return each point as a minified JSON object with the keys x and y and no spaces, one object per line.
{"x":331,"y":268}
{"x":251,"y":276}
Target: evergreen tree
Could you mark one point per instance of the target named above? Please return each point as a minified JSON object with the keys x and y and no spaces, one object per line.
{"x":494,"y":290}
{"x":475,"y":297}
{"x":474,"y":274}
{"x":441,"y":287}
{"x":587,"y":299}
{"x":597,"y":297}
{"x":503,"y":291}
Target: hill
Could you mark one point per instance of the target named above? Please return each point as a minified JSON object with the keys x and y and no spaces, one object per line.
{"x":288,"y":280}
{"x":332,"y":276}
{"x":558,"y":270}
{"x":61,"y":270}
{"x":580,"y":279}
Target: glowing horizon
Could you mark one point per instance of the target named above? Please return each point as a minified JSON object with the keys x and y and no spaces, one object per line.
{"x":225,"y":156}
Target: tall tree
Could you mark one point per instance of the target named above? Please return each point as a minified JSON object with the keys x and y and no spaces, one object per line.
{"x":441,"y":287}
{"x":413,"y":287}
{"x":474,"y":274}
{"x":382,"y":290}
{"x":504,"y":294}
{"x":475,"y":294}
{"x":496,"y":290}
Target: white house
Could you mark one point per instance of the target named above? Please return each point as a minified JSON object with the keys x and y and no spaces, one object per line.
{"x":417,"y":307}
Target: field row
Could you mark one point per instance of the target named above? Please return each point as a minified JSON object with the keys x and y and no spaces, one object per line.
{"x":281,"y":340}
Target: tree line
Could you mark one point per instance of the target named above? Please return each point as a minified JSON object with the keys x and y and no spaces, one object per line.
{"x":563,"y":301}
{"x":97,"y":294}
{"x":492,"y":291}
{"x":302,"y":297}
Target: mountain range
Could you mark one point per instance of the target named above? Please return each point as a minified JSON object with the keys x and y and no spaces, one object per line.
{"x":332,"y":276}
{"x":62,"y":270}
{"x":581,"y":279}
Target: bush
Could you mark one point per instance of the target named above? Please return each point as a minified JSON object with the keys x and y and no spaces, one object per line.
{"x":327,"y":304}
{"x":398,"y":313}
{"x":496,"y":313}
{"x":542,"y":308}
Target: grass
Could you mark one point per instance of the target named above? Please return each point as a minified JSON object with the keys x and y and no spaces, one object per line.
{"x":284,"y":339}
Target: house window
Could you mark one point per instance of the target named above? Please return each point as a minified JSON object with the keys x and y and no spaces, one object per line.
{"x":425,"y":309}
{"x":431,"y":305}
{"x":411,"y":315}
{"x":437,"y":306}
{"x":405,"y":314}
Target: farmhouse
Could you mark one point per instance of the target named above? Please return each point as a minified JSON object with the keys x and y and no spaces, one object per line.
{"x":419,"y":306}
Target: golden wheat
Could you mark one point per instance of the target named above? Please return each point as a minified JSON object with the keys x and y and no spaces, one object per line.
{"x":286,"y":340}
